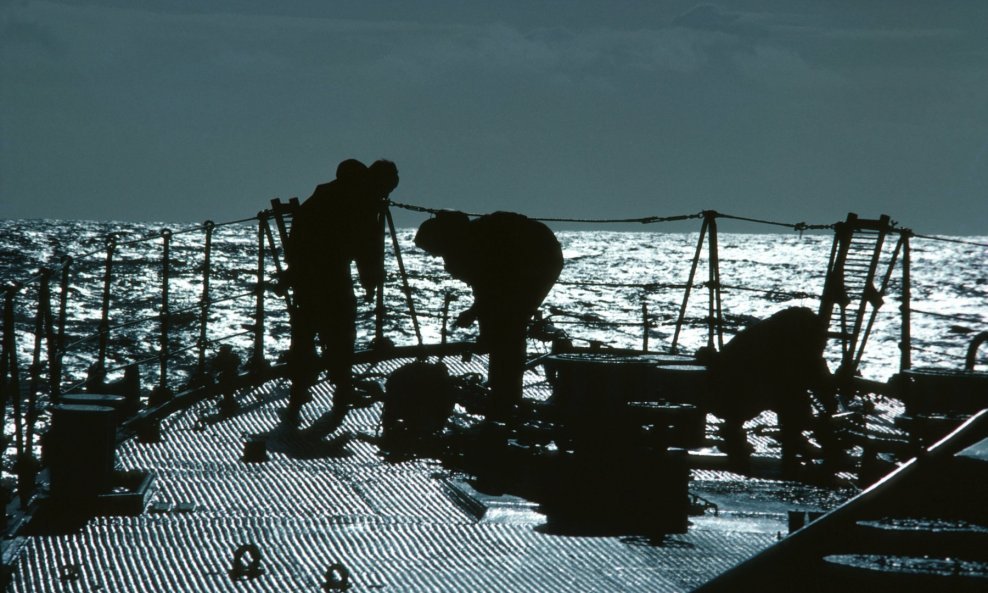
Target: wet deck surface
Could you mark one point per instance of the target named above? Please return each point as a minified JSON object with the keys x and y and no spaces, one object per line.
{"x":406,"y":526}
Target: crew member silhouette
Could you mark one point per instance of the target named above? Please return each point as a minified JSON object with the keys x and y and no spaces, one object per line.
{"x":511,"y":262}
{"x":337,"y":225}
{"x":773,"y":364}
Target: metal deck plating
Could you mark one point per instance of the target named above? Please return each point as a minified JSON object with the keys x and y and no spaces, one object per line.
{"x":337,"y":514}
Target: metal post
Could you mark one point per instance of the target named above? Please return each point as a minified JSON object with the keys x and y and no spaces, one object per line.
{"x":905,"y":345}
{"x":444,"y":332}
{"x":278,"y":270}
{"x":689,"y":285}
{"x":379,"y":309}
{"x":9,"y":384}
{"x":257,"y":360}
{"x":204,"y":300}
{"x":644,"y":325}
{"x":165,"y":326}
{"x":41,"y":321}
{"x":404,"y":277}
{"x":52,"y":350}
{"x":104,"y":323}
{"x":63,"y":299}
{"x":715,"y":322}
{"x":10,"y":381}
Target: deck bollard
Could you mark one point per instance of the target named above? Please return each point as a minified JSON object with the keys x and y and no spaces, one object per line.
{"x":250,"y":570}
{"x":148,"y":430}
{"x":797,"y":519}
{"x":82,"y":446}
{"x":337,"y":578}
{"x":255,"y":450}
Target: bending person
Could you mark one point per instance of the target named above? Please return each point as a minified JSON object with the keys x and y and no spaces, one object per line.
{"x":511,"y":262}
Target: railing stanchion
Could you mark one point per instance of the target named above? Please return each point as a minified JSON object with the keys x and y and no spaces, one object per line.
{"x":689,"y":285}
{"x":11,"y":385}
{"x":905,"y":344}
{"x":104,"y":323}
{"x":166,"y":237}
{"x":42,"y":327}
{"x":161,"y":393}
{"x":644,"y":325}
{"x":257,"y":359}
{"x":8,"y":361}
{"x":444,"y":332}
{"x":404,"y":276}
{"x":379,"y":309}
{"x":59,"y":355}
{"x":204,"y":300}
{"x":715,"y":321}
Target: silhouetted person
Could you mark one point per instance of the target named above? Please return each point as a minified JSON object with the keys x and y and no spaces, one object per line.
{"x":511,"y":262}
{"x":337,"y":225}
{"x":771,"y":365}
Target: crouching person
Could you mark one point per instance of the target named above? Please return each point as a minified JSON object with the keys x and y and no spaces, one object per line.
{"x":774,"y":364}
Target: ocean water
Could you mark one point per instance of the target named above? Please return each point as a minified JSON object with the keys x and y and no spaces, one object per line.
{"x":607,"y":278}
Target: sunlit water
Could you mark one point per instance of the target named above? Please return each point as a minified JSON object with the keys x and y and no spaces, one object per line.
{"x":606,"y":279}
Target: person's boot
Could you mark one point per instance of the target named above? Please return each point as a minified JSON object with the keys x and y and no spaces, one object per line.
{"x":298,"y":396}
{"x":331,"y":421}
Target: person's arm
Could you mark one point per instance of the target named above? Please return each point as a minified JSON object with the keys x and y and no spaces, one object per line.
{"x":369,"y":252}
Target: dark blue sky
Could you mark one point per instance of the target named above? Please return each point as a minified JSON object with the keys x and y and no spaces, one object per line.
{"x":795,"y":111}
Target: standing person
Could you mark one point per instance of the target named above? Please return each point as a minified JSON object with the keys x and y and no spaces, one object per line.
{"x":337,"y":225}
{"x":511,"y":262}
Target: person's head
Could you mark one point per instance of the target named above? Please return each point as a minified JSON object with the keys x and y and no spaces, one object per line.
{"x":383,"y":177}
{"x":442,"y":233}
{"x":350,"y":171}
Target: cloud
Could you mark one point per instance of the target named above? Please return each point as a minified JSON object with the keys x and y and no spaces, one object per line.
{"x":22,"y":35}
{"x":707,"y":17}
{"x":776,"y":66}
{"x":515,"y":107}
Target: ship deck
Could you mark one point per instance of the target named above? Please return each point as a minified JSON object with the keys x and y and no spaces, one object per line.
{"x":321,"y":513}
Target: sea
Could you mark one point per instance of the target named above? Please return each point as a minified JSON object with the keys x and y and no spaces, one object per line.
{"x":612,"y":281}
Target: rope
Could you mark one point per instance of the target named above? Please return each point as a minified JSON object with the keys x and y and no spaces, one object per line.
{"x":171,"y":353}
{"x":641,"y":220}
{"x":600,"y":323}
{"x":792,"y":294}
{"x":191,"y":229}
{"x":798,"y":226}
{"x":15,"y":285}
{"x":238,"y":221}
{"x":645,"y":286}
{"x":947,"y":240}
{"x":152,"y":318}
{"x":969,"y":318}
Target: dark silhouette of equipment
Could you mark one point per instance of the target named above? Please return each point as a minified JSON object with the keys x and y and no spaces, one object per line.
{"x":419,"y":397}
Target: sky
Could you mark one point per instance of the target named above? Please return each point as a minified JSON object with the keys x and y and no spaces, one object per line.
{"x":786,"y":110}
